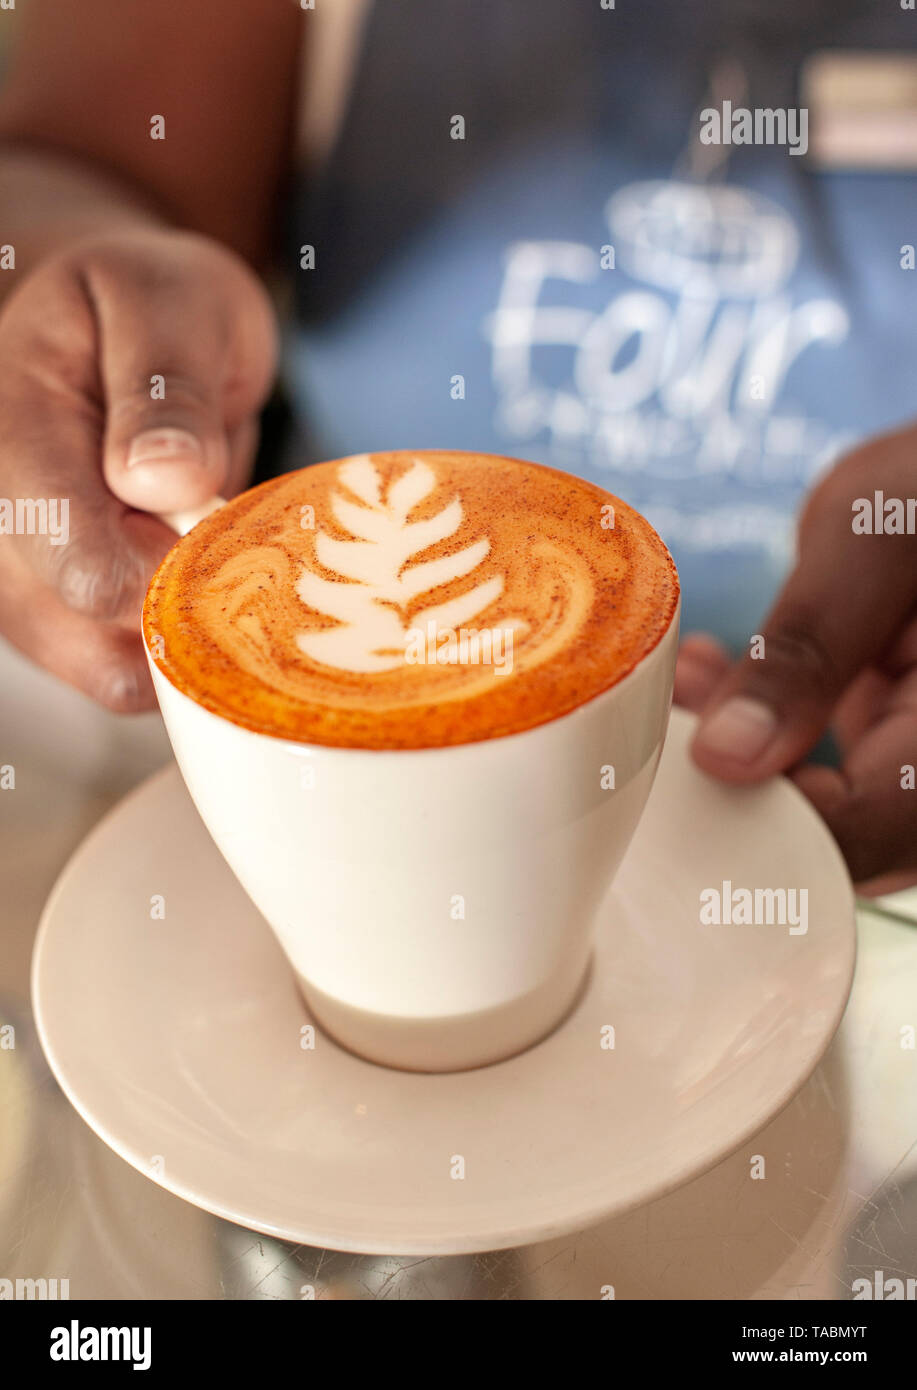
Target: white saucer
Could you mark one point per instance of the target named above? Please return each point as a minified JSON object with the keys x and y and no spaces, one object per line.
{"x":179,"y":1040}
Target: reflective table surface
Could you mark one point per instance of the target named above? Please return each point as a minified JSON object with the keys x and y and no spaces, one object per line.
{"x":838,"y":1202}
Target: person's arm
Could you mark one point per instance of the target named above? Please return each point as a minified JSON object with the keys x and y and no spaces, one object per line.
{"x":137,"y":345}
{"x":77,"y":113}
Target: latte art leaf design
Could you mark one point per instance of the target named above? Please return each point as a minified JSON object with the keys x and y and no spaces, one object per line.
{"x":277,"y":611}
{"x":376,"y":583}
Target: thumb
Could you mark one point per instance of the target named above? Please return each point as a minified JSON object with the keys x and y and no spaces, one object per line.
{"x":839,"y":610}
{"x":185,"y":365}
{"x":170,"y":453}
{"x":169,"y":467}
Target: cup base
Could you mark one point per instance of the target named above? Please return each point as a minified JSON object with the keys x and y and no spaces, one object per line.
{"x":458,"y":1042}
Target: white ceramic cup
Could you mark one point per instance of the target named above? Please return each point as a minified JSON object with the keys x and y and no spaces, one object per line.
{"x":437,"y":905}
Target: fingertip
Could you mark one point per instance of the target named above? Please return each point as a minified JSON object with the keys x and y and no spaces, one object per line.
{"x":103,"y":574}
{"x":167,"y":470}
{"x":735,"y":738}
{"x":824,"y":787}
{"x":119,"y":679}
{"x":695,"y":681}
{"x":125,"y":691}
{"x":701,"y":665}
{"x":703,"y":646}
{"x":883,"y":885}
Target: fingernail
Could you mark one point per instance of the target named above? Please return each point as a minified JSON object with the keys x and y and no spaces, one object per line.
{"x":162,"y":446}
{"x":740,"y":729}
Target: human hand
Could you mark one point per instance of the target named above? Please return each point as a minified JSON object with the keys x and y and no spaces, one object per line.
{"x":840,"y":649}
{"x":132,"y":371}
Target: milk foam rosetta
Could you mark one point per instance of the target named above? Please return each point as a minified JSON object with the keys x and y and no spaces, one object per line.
{"x":409,"y":600}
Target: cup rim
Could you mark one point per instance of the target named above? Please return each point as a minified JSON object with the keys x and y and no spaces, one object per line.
{"x":615,"y":684}
{"x":434,"y":750}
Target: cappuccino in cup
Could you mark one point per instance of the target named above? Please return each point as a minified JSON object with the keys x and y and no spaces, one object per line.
{"x":419,"y":698}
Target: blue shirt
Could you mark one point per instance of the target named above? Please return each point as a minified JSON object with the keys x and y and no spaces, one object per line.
{"x":567,"y":285}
